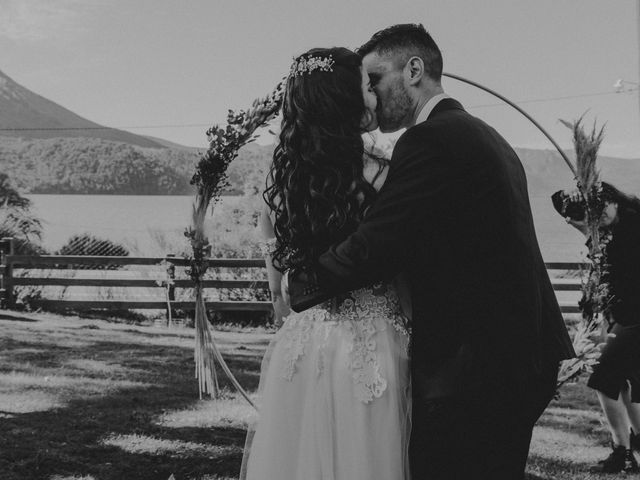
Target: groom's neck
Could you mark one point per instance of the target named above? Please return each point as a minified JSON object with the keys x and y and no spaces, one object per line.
{"x":421,"y":101}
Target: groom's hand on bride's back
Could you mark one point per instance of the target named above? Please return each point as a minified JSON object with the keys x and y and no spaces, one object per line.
{"x":303,"y":289}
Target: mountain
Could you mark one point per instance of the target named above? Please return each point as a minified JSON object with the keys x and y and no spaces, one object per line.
{"x":93,"y":159}
{"x":91,"y":165}
{"x":20,"y":108}
{"x":46,"y":148}
{"x":95,"y":166}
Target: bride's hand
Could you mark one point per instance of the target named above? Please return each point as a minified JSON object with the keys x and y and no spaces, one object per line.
{"x":284,"y":288}
{"x":280,"y":311}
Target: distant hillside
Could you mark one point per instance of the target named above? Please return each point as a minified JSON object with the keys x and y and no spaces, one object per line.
{"x":94,"y":166}
{"x":45,"y":148}
{"x":91,"y":159}
{"x":30,"y":115}
{"x":547,"y":172}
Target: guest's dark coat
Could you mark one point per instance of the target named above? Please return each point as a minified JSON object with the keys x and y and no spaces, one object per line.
{"x":623,"y":259}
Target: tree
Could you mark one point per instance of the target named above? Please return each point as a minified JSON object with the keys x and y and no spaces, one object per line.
{"x":16,"y":219}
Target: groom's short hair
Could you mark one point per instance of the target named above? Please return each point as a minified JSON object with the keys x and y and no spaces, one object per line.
{"x":404,"y":41}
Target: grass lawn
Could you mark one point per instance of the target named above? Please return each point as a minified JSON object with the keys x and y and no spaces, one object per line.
{"x":85,"y":399}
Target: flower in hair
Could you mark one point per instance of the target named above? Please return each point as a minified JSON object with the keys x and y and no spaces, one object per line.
{"x":309,"y":64}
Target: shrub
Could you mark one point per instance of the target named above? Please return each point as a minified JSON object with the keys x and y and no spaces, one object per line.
{"x":87,"y":244}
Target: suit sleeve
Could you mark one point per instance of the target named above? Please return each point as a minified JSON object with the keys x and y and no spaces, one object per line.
{"x":419,"y":182}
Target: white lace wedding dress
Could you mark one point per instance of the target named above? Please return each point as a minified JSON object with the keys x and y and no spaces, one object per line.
{"x":335,"y":394}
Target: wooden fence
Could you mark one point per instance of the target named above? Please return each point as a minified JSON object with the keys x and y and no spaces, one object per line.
{"x":10,"y":261}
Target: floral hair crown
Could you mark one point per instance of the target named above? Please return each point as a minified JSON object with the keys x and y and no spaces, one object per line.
{"x":309,"y":64}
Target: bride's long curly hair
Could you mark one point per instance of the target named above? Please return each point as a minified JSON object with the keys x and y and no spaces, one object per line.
{"x":316,"y":188}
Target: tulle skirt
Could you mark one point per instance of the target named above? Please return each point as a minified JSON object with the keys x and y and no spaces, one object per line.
{"x":334,"y":402}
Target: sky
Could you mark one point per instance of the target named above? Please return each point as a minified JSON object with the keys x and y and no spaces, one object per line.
{"x":170,"y":68}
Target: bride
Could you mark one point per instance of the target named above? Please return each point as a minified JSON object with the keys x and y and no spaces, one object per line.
{"x":334,"y":390}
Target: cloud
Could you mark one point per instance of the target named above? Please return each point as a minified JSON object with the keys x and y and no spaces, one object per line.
{"x":37,"y":20}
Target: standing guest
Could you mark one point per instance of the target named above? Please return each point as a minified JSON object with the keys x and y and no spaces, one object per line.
{"x":616,"y":378}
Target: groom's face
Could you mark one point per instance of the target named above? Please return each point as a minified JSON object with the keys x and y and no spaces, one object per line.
{"x":388,"y":82}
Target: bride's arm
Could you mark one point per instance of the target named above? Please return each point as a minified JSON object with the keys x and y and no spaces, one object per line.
{"x":280,"y":308}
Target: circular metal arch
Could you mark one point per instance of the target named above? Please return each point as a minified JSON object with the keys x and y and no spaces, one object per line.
{"x":520,"y":110}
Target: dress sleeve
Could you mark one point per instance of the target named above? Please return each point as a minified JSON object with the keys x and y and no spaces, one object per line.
{"x":267,"y":246}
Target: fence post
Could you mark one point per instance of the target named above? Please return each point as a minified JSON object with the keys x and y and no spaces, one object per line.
{"x":6,"y":284}
{"x":171,"y":288}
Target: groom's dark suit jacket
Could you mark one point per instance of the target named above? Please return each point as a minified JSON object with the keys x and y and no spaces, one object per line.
{"x":454,"y":214}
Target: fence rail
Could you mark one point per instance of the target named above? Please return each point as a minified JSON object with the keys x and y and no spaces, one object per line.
{"x":35,"y":261}
{"x":8,"y":280}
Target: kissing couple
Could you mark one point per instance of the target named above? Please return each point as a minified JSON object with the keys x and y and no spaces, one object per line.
{"x":425,"y":338}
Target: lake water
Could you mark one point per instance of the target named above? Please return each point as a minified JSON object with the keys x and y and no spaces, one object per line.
{"x":153,"y":225}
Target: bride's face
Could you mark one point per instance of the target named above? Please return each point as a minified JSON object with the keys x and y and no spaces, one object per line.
{"x":369,"y":120}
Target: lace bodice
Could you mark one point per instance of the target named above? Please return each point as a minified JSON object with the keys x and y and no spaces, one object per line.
{"x":359,"y":317}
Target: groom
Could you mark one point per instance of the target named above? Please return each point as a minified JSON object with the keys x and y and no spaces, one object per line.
{"x":454,"y":214}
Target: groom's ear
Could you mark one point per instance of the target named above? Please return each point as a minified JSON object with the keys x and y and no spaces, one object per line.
{"x":415,"y":70}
